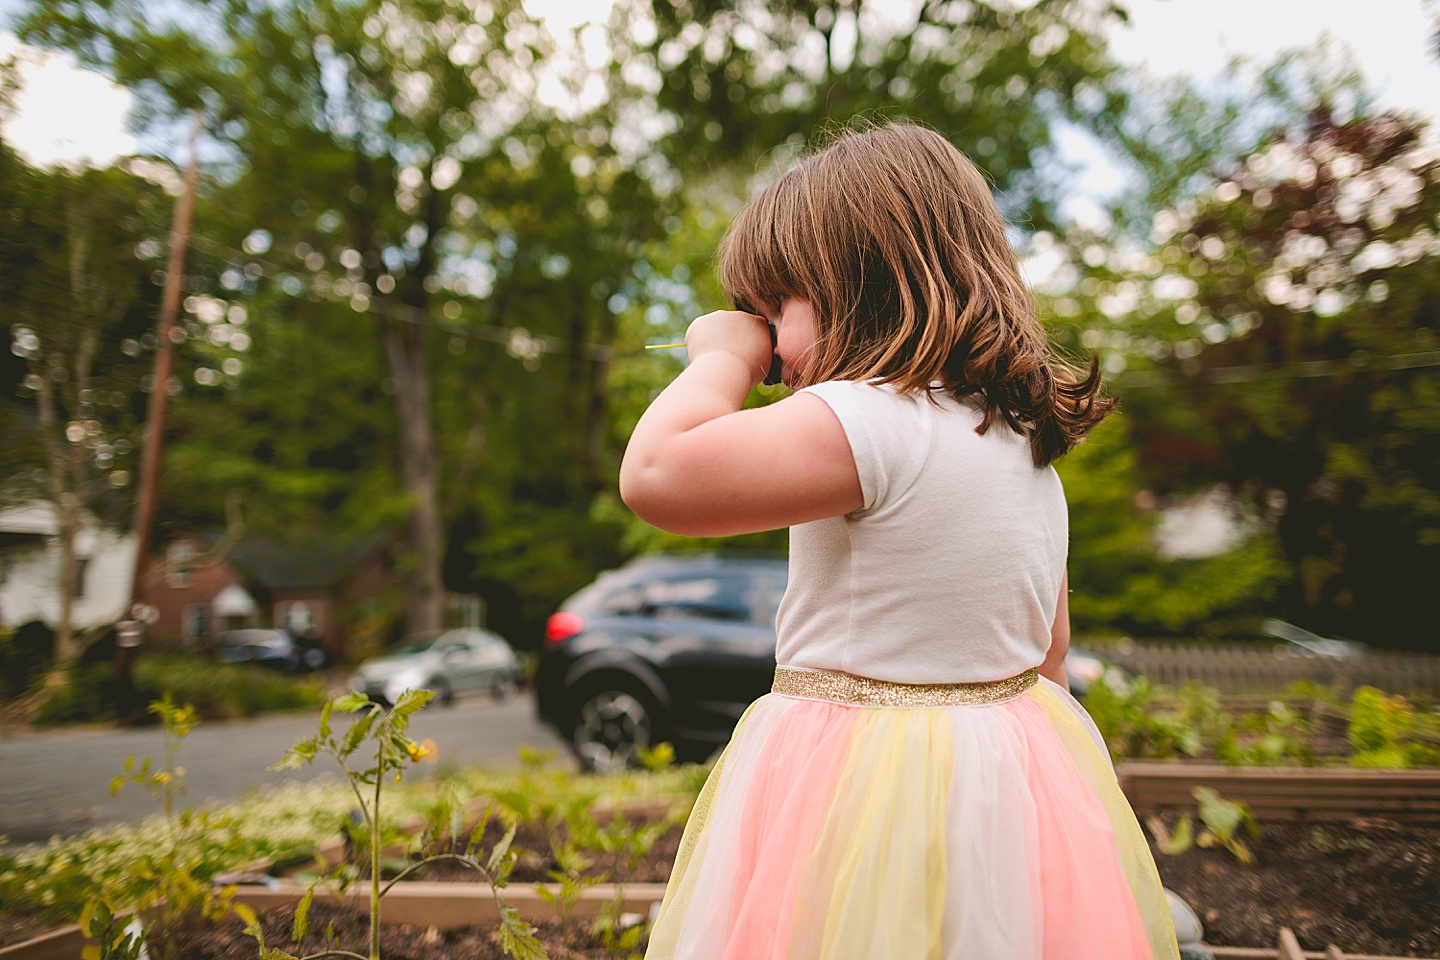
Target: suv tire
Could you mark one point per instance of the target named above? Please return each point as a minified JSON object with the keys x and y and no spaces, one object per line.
{"x":614,"y":719}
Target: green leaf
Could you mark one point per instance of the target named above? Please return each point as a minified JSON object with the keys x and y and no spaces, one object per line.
{"x":325,"y":719}
{"x":500,"y":854}
{"x":477,"y":836}
{"x":357,"y":733}
{"x":517,"y":938}
{"x":350,"y":702}
{"x":301,"y":929}
{"x":410,"y":701}
{"x":1182,"y":838}
{"x":252,"y":922}
{"x":298,"y":756}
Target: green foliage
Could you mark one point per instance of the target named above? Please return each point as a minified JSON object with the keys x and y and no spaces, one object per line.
{"x":735,"y":102}
{"x":1280,"y":330}
{"x":620,"y":939}
{"x":1387,"y":731}
{"x":170,"y":880}
{"x":385,"y":732}
{"x":1118,"y":578}
{"x":88,"y":695}
{"x":115,"y":936}
{"x":1222,"y":820}
{"x":224,"y":690}
{"x":1134,"y":725}
{"x":1276,"y":737}
{"x":22,"y":660}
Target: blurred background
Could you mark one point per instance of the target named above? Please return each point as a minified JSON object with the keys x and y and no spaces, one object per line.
{"x":383,"y":271}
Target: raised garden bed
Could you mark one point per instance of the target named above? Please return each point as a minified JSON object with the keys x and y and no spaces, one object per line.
{"x":399,"y":941}
{"x":1366,"y":883}
{"x":1288,"y":793}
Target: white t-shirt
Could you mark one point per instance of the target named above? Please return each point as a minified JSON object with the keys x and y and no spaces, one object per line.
{"x":951,"y":570}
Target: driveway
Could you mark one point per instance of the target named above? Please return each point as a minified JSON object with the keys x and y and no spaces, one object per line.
{"x":58,"y":782}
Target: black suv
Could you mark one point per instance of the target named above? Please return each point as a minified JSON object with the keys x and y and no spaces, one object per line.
{"x":666,"y":648}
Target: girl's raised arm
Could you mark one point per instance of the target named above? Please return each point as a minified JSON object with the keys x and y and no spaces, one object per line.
{"x":699,"y":466}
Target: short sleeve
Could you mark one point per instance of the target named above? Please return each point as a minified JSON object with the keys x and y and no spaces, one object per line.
{"x":889,"y":436}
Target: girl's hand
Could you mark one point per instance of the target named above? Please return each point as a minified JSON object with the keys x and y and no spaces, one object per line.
{"x":744,"y":335}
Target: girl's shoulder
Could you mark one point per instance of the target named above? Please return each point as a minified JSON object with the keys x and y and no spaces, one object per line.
{"x":875,"y":398}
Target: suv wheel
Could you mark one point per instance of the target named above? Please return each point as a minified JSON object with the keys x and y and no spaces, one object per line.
{"x":610,"y":727}
{"x":502,"y":689}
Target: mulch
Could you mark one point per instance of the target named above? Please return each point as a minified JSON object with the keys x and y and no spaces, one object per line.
{"x":536,"y":859}
{"x":350,"y":927}
{"x":1366,"y":885}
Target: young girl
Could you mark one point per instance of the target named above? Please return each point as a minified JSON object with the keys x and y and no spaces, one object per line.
{"x":919,"y":784}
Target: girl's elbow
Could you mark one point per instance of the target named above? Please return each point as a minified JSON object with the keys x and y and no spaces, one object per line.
{"x":645,"y":494}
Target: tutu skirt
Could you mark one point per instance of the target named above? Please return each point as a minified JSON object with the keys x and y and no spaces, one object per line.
{"x":991,"y":831}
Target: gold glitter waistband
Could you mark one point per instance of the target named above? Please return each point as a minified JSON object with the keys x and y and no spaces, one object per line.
{"x":865,"y":692}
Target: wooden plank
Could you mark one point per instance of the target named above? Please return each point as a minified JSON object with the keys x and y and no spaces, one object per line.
{"x":1332,"y":952}
{"x":63,"y":944}
{"x":1269,"y":953}
{"x":449,"y":905}
{"x":1288,"y":948}
{"x":1279,"y":793}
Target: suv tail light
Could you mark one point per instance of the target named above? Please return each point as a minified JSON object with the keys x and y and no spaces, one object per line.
{"x":562,"y":626}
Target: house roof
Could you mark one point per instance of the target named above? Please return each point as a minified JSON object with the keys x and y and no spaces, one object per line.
{"x":287,"y":565}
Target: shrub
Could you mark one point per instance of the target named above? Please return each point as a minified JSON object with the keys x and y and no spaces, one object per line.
{"x":1385,"y":732}
{"x":24,"y":655}
{"x":225,"y":691}
{"x":88,"y":695}
{"x":1133,"y":725}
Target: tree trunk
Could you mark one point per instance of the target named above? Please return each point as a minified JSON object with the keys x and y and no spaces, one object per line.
{"x":405,"y":356}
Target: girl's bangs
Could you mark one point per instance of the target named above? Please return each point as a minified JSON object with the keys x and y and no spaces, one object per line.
{"x":755,"y":267}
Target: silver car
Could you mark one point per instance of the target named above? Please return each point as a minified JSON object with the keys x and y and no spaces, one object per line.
{"x":452,"y":662}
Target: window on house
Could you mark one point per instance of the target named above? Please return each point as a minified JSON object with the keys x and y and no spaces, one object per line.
{"x":82,"y":567}
{"x":196,"y":622}
{"x":179,"y":559}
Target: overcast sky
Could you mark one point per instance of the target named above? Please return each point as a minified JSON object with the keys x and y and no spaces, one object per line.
{"x":65,"y":114}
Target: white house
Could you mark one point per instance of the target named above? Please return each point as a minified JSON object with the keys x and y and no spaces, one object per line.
{"x":30,"y":569}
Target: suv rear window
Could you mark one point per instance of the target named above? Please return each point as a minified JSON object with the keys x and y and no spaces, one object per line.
{"x":683,"y":597}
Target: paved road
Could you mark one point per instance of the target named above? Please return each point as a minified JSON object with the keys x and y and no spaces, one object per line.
{"x":58,"y":782}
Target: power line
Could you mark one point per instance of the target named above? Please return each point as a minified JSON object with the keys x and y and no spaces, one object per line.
{"x":1142,"y":379}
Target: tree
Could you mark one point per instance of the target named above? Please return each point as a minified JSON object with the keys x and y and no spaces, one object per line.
{"x":350,"y":129}
{"x":1298,"y":359}
{"x":734,"y":80}
{"x":76,"y":290}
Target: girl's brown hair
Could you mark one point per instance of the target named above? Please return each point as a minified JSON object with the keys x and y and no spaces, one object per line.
{"x":892,"y":236}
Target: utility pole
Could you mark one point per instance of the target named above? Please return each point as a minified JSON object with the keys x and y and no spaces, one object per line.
{"x":131,"y":632}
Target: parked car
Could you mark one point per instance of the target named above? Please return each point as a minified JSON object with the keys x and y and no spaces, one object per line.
{"x":450,"y":662}
{"x":1301,"y":643}
{"x":674,"y":649}
{"x":669,"y":648}
{"x":1085,"y":669}
{"x":267,"y":647}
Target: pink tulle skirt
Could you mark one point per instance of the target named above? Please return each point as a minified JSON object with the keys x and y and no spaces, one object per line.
{"x":981,"y":832}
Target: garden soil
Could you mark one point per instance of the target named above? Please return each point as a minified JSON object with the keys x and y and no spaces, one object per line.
{"x":1367,"y":886}
{"x":351,"y":928}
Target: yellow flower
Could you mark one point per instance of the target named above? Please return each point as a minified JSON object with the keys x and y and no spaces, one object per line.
{"x":421,"y":750}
